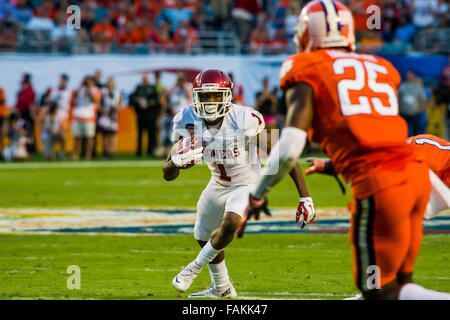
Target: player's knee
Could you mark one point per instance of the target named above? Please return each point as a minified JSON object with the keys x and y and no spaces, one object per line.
{"x":201,"y":234}
{"x":230,"y":224}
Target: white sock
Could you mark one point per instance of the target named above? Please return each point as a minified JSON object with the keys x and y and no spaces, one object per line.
{"x":219,"y":274}
{"x":412,"y":291}
{"x":206,"y":255}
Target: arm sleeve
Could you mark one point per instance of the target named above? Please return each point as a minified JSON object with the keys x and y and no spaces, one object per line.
{"x":179,"y":130}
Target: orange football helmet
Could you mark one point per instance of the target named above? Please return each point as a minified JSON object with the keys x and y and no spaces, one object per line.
{"x":324,"y":24}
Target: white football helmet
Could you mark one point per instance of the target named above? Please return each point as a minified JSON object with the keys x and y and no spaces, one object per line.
{"x":324,"y":24}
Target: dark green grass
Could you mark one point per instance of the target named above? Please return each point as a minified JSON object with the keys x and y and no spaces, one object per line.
{"x":142,"y":267}
{"x":136,"y":186}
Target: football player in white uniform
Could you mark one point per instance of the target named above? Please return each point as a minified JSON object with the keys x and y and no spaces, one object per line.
{"x":225,"y":136}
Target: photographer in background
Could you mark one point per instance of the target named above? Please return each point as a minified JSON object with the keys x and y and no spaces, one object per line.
{"x":108,"y":121}
{"x":53,"y":128}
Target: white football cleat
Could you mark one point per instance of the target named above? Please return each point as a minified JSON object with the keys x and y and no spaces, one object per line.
{"x":357,"y":297}
{"x":212,"y":292}
{"x":184,"y":279}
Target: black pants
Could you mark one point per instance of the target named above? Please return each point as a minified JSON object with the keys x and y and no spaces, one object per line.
{"x":413,"y":124}
{"x":146,"y":121}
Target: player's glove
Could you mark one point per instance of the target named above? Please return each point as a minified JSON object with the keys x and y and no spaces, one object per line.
{"x":305,"y":211}
{"x":254,"y":208}
{"x":189,"y":152}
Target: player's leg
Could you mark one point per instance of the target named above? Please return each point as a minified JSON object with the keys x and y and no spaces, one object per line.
{"x":212,"y":253}
{"x":210,"y":209}
{"x":380,"y":242}
{"x":407,"y":289}
{"x":236,"y":201}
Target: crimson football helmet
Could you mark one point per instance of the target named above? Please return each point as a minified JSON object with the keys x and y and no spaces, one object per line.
{"x":212,"y":81}
{"x":324,"y":24}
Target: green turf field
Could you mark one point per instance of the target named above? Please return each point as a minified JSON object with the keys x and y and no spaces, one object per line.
{"x":142,"y":267}
{"x":300,"y":266}
{"x":135,"y":186}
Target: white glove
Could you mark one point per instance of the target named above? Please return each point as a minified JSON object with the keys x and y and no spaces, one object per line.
{"x":305,"y":211}
{"x":189,"y":153}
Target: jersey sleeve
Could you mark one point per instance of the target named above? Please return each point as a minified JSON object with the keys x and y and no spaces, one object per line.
{"x":254,"y":123}
{"x":179,"y":130}
{"x":299,"y":68}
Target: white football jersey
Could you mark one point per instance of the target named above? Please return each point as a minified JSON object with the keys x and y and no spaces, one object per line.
{"x":230,"y":151}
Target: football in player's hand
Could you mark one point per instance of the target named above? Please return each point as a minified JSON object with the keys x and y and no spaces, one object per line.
{"x":183,"y":147}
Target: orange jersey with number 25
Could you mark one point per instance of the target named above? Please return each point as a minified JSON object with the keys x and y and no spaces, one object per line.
{"x":356,"y":117}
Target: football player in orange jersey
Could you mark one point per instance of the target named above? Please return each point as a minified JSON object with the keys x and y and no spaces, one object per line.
{"x":348,"y":103}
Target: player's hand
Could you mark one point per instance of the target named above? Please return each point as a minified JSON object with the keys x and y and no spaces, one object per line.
{"x":305,"y":211}
{"x":316,"y":166}
{"x":254,"y":208}
{"x":189,"y":152}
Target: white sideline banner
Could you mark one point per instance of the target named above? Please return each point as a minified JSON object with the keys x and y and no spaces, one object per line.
{"x":126,"y":69}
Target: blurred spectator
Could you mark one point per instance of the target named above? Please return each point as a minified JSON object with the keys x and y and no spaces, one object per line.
{"x":53,"y":131}
{"x":165,"y":121}
{"x":14,"y":130}
{"x":84,"y":117}
{"x":244,"y":15}
{"x":412,"y":102}
{"x":161,"y":37}
{"x":278,"y":43}
{"x":27,"y":109}
{"x":259,"y":38}
{"x":281,"y":111}
{"x":180,"y":94}
{"x":103,"y":34}
{"x":175,"y":15}
{"x":41,"y":21}
{"x":108,"y":121}
{"x":6,"y":8}
{"x":443,"y":94}
{"x":238,"y":91}
{"x":98,"y":79}
{"x":99,"y":84}
{"x":62,"y":36}
{"x":220,"y":9}
{"x":186,"y":37}
{"x":61,"y":96}
{"x":22,"y":12}
{"x":405,"y":30}
{"x":266,"y":104}
{"x":147,"y":105}
{"x":423,"y":13}
{"x":291,"y":20}
{"x":3,"y":113}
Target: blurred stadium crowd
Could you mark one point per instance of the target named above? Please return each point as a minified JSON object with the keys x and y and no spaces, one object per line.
{"x":199,"y":26}
{"x":83,"y":112}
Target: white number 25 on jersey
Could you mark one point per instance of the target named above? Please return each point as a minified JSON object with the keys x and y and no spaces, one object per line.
{"x":358,"y":83}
